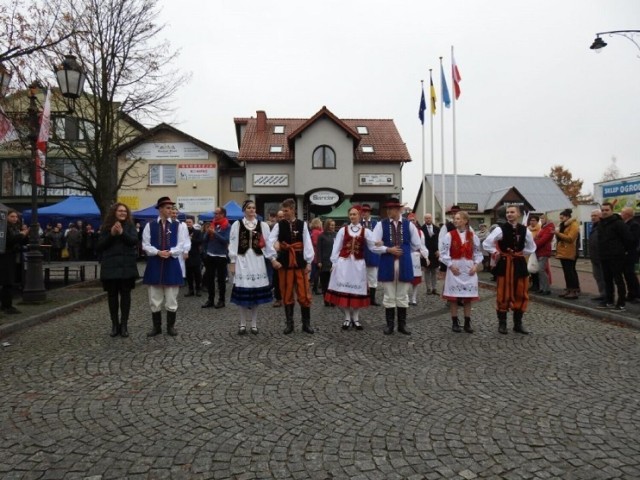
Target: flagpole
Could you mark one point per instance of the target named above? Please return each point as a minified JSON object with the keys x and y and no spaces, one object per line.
{"x":433,"y":170}
{"x":424,"y":182}
{"x":455,"y":159}
{"x":444,"y":203}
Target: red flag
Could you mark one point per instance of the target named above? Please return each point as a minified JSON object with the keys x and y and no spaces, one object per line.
{"x":456,"y":76}
{"x":43,"y":138}
{"x":7,"y":131}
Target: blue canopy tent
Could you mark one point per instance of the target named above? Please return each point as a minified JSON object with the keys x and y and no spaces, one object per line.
{"x":234,"y":212}
{"x":69,"y":210}
{"x":151,"y":213}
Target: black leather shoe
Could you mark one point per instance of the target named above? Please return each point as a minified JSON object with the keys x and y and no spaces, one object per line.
{"x":208,"y":304}
{"x":220,"y":304}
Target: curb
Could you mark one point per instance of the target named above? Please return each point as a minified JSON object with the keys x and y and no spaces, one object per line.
{"x":603,"y":315}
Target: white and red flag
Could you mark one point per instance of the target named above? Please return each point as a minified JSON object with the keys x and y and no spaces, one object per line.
{"x":43,"y":139}
{"x":455,"y":73}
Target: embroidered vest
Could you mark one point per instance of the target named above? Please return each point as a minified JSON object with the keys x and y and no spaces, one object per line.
{"x":401,"y":238}
{"x":248,"y":239}
{"x":286,"y":234}
{"x":353,"y":245}
{"x":460,"y":249}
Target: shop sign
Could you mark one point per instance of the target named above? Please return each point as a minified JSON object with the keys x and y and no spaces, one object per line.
{"x":622,"y":194}
{"x":324,"y":197}
{"x":468,"y":207}
{"x":270,"y":180}
{"x":376,"y":179}
{"x":167,"y":151}
{"x":196,"y":171}
{"x":196,"y":204}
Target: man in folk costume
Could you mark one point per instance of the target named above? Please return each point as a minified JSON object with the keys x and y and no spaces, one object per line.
{"x":510,"y":242}
{"x":164,"y":241}
{"x":291,"y":253}
{"x":371,"y":259}
{"x":395,"y":239}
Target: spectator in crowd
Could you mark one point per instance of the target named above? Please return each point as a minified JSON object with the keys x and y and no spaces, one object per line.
{"x":594,"y":256}
{"x":325,"y":247}
{"x":275,"y":278}
{"x":431,"y":233}
{"x":74,"y":242}
{"x":510,"y":242}
{"x":614,"y":238}
{"x":194,"y":259}
{"x":89,"y":243}
{"x":54,"y":240}
{"x":633,"y":252}
{"x":543,"y":241}
{"x":315,"y":230}
{"x":462,"y":256}
{"x":247,"y":247}
{"x":216,"y":248}
{"x":567,"y":252}
{"x":16,"y":237}
{"x":291,"y":254}
{"x":372,"y":260}
{"x":164,"y":242}
{"x":118,"y":245}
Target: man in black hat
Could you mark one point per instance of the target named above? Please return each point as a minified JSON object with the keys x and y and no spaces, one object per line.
{"x":164,"y":241}
{"x":395,"y":239}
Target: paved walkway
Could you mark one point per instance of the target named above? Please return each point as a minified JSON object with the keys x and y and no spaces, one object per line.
{"x":561,"y":403}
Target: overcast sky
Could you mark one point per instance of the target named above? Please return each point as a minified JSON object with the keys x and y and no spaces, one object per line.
{"x":533,"y":94}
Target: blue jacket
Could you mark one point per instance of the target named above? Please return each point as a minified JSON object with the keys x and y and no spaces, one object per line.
{"x":218,"y":243}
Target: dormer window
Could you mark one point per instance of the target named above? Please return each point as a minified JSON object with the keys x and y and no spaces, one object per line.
{"x":367,"y":149}
{"x":278,"y":129}
{"x":275,"y":149}
{"x":324,"y":157}
{"x":362,"y":130}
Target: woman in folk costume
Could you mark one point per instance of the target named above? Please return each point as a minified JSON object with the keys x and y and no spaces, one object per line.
{"x":460,"y":251}
{"x":348,"y":284}
{"x":417,"y":262}
{"x":247,"y":244}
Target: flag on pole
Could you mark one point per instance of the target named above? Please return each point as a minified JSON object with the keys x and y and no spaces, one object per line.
{"x":423,"y":107}
{"x":445,"y":90}
{"x":455,"y":73}
{"x":7,"y":130}
{"x":43,"y":138}
{"x":433,"y":96}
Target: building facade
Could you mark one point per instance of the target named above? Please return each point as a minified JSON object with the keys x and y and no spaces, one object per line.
{"x":320,"y":161}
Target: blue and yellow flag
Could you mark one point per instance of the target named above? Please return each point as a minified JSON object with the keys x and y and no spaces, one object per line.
{"x":423,"y":107}
{"x":433,"y":97}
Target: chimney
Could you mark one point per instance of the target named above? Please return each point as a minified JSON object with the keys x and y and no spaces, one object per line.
{"x":262,"y":121}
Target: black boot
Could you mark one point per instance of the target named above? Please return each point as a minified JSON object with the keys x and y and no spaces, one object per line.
{"x":402,"y":321}
{"x":517,"y":323}
{"x":306,"y":320}
{"x":390,"y":313}
{"x":171,"y":323}
{"x":455,"y":325}
{"x":467,"y":325}
{"x":124,"y":327}
{"x":112,"y":300}
{"x":372,"y":297}
{"x":502,"y":322}
{"x":115,"y":327}
{"x":156,"y":317}
{"x":288,"y":312}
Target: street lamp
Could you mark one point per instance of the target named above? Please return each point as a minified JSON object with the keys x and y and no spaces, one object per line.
{"x":70,"y":78}
{"x":599,"y":44}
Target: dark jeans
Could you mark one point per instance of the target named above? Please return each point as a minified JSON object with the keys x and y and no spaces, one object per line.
{"x":612,"y":270}
{"x":570,"y":274}
{"x":631,"y":278}
{"x":194,"y":278}
{"x":215,"y":269}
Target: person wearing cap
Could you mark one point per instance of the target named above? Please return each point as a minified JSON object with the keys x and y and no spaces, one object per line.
{"x":247,"y":247}
{"x":164,"y":241}
{"x":510,"y":242}
{"x":291,"y":252}
{"x":348,"y":283}
{"x":371,"y":259}
{"x":395,"y":239}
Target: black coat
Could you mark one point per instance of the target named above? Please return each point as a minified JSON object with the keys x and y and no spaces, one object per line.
{"x":8,"y":260}
{"x":325,"y":247}
{"x":119,"y":253}
{"x":195,"y":255}
{"x":614,"y":237}
{"x":431,"y":242}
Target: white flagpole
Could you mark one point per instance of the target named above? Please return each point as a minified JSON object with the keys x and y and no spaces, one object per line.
{"x":444,"y":203}
{"x":455,"y":159}
{"x":433,"y":175}
{"x":424,"y":181}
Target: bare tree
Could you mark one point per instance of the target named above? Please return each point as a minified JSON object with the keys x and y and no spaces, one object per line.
{"x":612,"y":172}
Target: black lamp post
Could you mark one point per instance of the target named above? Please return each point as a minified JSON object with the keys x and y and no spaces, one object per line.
{"x":70,"y":78}
{"x":599,"y":43}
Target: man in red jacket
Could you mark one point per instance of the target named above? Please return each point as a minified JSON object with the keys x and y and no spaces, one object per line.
{"x":543,"y":252}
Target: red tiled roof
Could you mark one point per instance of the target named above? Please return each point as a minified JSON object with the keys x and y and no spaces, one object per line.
{"x":383,"y":136}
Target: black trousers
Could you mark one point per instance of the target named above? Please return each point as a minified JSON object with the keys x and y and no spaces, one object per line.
{"x":631,"y":278}
{"x":570,"y":274}
{"x":194,"y":278}
{"x":613,"y":272}
{"x":215,"y":270}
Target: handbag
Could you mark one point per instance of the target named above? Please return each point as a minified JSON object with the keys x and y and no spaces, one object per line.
{"x":64,"y":253}
{"x":532,"y":264}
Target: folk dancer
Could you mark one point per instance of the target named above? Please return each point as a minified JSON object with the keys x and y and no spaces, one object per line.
{"x":164,"y":241}
{"x":509,"y":243}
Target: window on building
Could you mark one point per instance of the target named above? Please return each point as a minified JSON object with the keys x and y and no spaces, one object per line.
{"x":362,"y":130}
{"x":324,"y":157}
{"x":237,"y":184}
{"x":62,"y":173}
{"x":73,"y":129}
{"x":162,"y":174}
{"x":367,"y":148}
{"x":278,"y":129}
{"x":275,"y":149}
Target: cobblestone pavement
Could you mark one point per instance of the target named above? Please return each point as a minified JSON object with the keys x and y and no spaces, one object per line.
{"x":561,"y":403}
